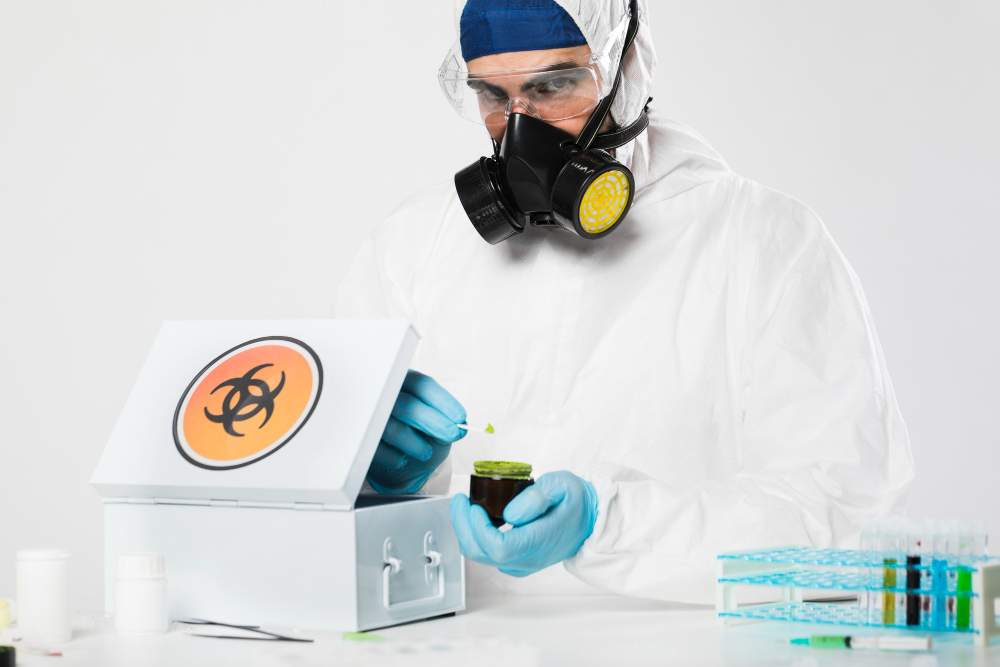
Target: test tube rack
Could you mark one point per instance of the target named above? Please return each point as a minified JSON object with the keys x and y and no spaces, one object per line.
{"x":795,"y":569}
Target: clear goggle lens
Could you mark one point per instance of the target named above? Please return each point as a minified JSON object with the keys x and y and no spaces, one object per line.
{"x":556,"y":92}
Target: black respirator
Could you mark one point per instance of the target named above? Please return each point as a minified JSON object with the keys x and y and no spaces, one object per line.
{"x":541,"y":176}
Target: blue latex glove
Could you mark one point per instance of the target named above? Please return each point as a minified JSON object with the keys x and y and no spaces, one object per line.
{"x":418,"y":436}
{"x":552,"y":518}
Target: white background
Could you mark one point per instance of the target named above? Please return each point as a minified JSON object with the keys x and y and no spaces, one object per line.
{"x":194,"y":159}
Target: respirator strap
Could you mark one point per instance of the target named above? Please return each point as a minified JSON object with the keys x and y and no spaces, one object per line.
{"x":589,"y":132}
{"x":626,"y":134}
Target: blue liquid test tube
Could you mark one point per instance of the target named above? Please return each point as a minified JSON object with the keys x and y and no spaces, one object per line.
{"x":940,"y":575}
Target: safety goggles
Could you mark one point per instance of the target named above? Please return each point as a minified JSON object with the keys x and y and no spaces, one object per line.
{"x":554,"y":92}
{"x":551,"y":92}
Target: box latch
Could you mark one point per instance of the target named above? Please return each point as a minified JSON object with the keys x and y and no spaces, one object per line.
{"x":432,"y":574}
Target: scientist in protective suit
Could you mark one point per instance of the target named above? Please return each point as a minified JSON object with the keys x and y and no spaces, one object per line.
{"x":683,"y":354}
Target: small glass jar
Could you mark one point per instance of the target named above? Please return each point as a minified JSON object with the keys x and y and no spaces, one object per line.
{"x":495,"y":483}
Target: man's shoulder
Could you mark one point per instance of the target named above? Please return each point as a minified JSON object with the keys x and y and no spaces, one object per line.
{"x":435,"y":197}
{"x":770,"y":216}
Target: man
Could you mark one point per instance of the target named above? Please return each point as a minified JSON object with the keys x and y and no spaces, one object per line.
{"x":706,"y":378}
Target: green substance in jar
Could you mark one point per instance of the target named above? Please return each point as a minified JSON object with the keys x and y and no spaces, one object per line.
{"x":503,"y":469}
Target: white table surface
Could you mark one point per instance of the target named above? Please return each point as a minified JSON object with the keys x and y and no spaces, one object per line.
{"x":548,"y":631}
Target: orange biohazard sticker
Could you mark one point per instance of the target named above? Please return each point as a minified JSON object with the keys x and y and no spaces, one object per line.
{"x":247,"y":403}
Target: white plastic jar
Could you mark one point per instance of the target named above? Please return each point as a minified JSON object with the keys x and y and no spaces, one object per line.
{"x":140,"y":594}
{"x":43,"y":595}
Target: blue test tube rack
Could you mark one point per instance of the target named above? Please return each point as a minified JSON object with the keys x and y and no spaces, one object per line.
{"x":795,"y":569}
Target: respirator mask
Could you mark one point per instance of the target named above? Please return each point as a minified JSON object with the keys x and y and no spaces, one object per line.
{"x":540,"y":175}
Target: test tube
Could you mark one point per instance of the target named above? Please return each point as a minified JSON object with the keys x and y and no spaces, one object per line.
{"x":950,"y":617}
{"x":964,"y":584}
{"x":940,"y":575}
{"x":913,"y":553}
{"x":875,"y":570}
{"x":889,"y":560}
{"x":902,"y":539}
{"x":980,"y":539}
{"x":927,"y":574}
{"x":867,"y":542}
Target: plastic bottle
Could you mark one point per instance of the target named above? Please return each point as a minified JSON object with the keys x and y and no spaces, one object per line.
{"x":43,"y":595}
{"x":140,"y":594}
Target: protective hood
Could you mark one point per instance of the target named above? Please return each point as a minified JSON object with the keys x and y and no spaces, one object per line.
{"x":597,"y":20}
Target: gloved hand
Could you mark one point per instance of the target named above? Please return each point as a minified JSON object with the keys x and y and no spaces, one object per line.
{"x":551,"y":520}
{"x":417,"y":437}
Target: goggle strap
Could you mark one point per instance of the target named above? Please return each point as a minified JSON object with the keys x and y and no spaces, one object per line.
{"x":593,"y":126}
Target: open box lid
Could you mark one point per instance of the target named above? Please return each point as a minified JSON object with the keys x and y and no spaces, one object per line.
{"x":257,"y":412}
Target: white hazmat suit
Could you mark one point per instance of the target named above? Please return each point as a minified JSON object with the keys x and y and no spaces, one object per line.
{"x":711,"y":367}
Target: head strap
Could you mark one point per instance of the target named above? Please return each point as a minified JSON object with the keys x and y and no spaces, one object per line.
{"x":593,"y":126}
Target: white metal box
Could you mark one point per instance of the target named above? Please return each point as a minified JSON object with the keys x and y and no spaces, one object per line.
{"x":240,"y":456}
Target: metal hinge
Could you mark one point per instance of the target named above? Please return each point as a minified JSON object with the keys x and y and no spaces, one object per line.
{"x":221,"y":502}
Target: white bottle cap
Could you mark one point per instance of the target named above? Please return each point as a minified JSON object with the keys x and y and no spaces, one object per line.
{"x":140,"y":566}
{"x":42,"y":554}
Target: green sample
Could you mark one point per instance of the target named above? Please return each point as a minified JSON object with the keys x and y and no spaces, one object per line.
{"x":964,"y":601}
{"x":504,"y":469}
{"x":888,"y":599}
{"x":489,"y":428}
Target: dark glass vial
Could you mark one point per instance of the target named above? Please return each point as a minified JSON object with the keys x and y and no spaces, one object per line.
{"x":912,"y":584}
{"x":495,"y":483}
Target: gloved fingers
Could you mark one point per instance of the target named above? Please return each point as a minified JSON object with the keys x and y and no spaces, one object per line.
{"x":461,"y":509}
{"x":388,"y":457}
{"x":407,"y":440}
{"x":499,"y":549}
{"x":547,"y":491}
{"x":411,"y":410}
{"x":430,"y":392}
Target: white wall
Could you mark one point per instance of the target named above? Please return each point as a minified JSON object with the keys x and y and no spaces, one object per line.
{"x":224,"y":159}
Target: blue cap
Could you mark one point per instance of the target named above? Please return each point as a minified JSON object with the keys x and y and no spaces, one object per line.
{"x":501,"y":26}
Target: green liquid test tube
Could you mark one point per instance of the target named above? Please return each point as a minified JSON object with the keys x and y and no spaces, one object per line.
{"x":964,"y":601}
{"x":889,"y":599}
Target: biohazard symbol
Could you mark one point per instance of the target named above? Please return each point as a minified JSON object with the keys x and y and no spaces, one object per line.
{"x":247,"y":403}
{"x":241,"y":397}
